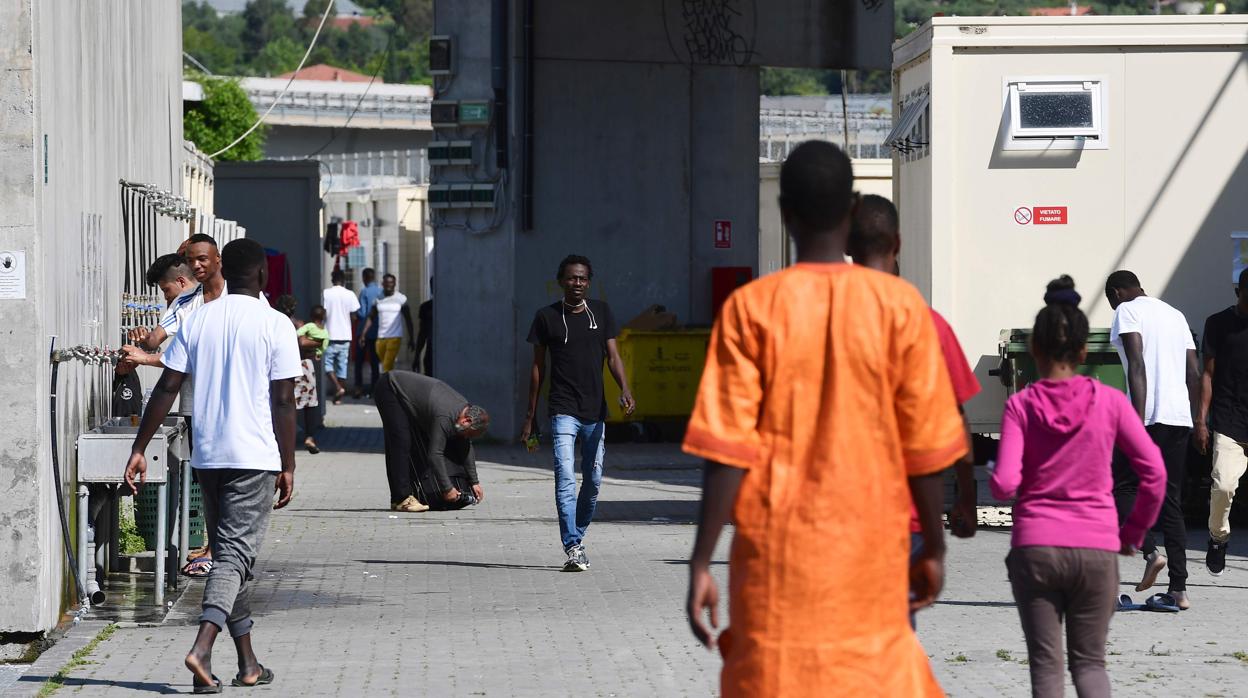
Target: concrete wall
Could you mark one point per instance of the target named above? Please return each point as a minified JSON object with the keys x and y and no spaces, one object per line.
{"x":633,"y":162}
{"x":89,"y":94}
{"x":280,"y":205}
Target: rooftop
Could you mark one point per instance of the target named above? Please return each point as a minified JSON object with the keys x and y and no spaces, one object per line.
{"x":329,"y":73}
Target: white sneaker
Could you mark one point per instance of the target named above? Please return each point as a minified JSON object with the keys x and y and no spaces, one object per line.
{"x":578,"y":561}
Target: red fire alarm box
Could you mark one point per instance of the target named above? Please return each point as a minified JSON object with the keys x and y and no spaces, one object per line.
{"x":725,"y":280}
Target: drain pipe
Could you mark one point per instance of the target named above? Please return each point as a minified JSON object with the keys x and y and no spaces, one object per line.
{"x":86,"y":548}
{"x":56,"y":479}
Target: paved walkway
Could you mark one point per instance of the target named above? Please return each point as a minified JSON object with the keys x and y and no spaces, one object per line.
{"x":357,"y":601}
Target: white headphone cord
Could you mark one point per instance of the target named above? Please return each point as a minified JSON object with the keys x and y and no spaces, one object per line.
{"x":593,"y":322}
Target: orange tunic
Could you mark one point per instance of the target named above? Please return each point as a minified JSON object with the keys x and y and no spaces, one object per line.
{"x":826,"y":382}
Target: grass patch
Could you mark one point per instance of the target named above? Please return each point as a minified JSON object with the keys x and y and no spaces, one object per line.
{"x":1152,"y":652}
{"x":79,"y":659}
{"x":960,"y":658}
{"x":1004,"y":655}
{"x":131,"y":542}
{"x":1241,"y":656}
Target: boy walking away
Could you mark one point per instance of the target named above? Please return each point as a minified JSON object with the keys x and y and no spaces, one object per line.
{"x":1057,"y":442}
{"x":339,"y":305}
{"x":1224,"y":409}
{"x":579,"y":334}
{"x":1163,"y":381}
{"x":244,"y":356}
{"x":875,"y":242}
{"x":825,"y":405}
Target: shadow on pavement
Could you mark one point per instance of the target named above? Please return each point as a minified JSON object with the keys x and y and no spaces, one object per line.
{"x":347,"y":440}
{"x":983,"y":604}
{"x":460,"y":563}
{"x":71,"y":682}
{"x":664,"y":463}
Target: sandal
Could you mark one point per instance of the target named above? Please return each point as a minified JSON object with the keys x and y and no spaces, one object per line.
{"x":1126,"y":604}
{"x":338,"y":396}
{"x":198,"y":568}
{"x":311,"y":446}
{"x":214,"y":687}
{"x":1163,"y":603}
{"x":265,"y":678}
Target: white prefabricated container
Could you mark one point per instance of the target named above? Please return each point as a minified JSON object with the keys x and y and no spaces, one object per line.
{"x":775,"y":249}
{"x":1040,"y":146}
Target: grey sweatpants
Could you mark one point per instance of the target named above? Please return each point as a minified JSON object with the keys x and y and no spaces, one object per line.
{"x":237,"y":504}
{"x":1078,"y":585}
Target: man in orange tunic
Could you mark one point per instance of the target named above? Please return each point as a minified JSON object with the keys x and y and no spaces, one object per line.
{"x":825,"y":404}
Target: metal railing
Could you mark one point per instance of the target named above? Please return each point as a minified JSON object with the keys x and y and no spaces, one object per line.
{"x":333,"y":108}
{"x":781,"y":130}
{"x":382,"y":167}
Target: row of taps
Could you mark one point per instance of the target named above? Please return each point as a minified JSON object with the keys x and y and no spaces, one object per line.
{"x":92,"y":356}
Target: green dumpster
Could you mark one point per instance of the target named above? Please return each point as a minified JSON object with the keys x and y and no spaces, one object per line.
{"x":1018,"y":368}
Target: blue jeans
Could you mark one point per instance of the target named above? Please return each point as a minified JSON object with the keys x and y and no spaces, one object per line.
{"x":576,"y":511}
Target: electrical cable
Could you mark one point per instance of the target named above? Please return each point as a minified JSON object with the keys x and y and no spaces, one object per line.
{"x":328,"y":6}
{"x":333,"y":136}
{"x":196,"y":63}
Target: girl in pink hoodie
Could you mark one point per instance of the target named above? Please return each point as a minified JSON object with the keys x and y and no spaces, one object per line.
{"x":1057,"y":439}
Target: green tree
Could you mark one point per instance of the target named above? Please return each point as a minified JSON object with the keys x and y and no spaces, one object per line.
{"x":205,"y":47}
{"x":791,"y":81}
{"x":223,"y":115}
{"x":278,"y":56}
{"x":264,"y":22}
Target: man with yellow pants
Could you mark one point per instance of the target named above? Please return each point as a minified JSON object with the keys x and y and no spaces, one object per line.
{"x":386,"y":314}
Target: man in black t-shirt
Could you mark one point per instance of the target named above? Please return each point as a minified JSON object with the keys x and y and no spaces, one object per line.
{"x":1224,"y":409}
{"x":579,"y":334}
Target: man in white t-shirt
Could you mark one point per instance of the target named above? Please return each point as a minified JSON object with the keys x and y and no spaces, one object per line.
{"x":390,"y":314}
{"x":244,"y":356}
{"x":1163,"y":381}
{"x":339,"y":305}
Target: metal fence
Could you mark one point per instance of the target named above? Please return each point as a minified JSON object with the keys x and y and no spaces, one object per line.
{"x":781,"y":130}
{"x":392,"y":166}
{"x":333,"y":107}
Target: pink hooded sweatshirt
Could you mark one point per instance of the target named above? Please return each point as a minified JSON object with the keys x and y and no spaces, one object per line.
{"x":1057,"y":440}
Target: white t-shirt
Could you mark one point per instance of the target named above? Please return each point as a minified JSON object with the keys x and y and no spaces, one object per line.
{"x":1167,"y":339}
{"x":389,"y":317}
{"x":339,"y":305}
{"x":174,"y":316}
{"x":233,"y":347}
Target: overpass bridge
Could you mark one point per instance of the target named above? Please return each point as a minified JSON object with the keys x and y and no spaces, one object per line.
{"x":783,"y":121}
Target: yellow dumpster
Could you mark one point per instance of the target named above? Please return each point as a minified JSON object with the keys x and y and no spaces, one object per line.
{"x":663,"y":369}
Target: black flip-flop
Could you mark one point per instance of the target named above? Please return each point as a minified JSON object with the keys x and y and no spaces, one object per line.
{"x":215,"y":687}
{"x":265,"y":678}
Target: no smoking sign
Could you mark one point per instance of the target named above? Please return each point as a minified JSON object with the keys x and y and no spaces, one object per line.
{"x":1041,"y":215}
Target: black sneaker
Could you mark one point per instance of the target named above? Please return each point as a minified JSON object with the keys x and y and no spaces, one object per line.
{"x":1215,"y":559}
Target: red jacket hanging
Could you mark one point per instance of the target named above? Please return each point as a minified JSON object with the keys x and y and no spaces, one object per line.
{"x":349,"y":237}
